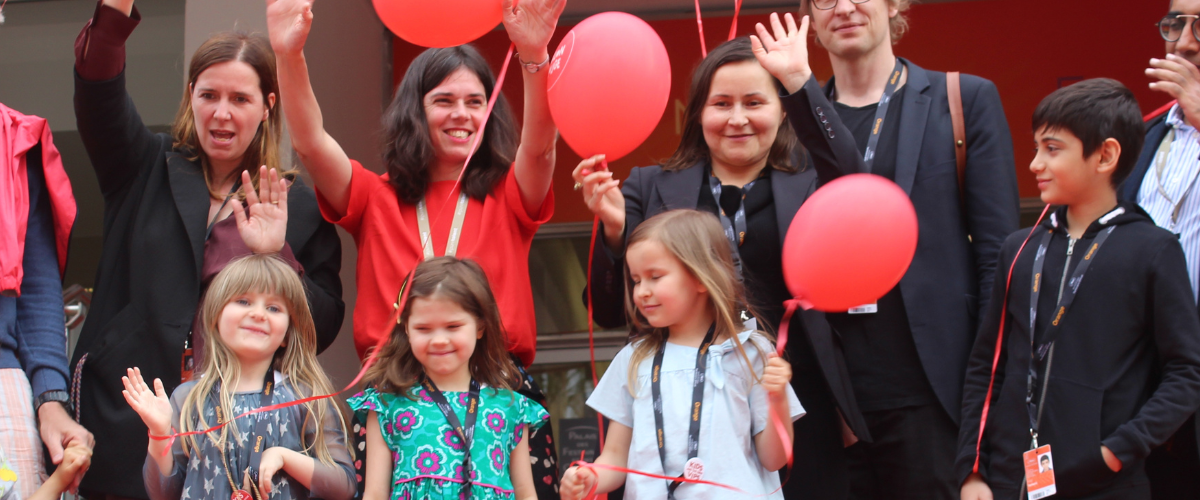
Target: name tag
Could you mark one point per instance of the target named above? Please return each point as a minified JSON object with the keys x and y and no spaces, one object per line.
{"x":1039,"y":473}
{"x":864,"y":309}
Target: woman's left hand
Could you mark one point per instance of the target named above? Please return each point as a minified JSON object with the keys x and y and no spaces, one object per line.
{"x":530,"y":24}
{"x":264,"y":230}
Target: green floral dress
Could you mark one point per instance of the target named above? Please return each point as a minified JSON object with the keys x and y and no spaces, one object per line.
{"x":427,"y":455}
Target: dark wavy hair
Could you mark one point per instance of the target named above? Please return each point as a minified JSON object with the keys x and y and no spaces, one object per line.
{"x":463,"y":282}
{"x":786,"y":153}
{"x":408,"y":149}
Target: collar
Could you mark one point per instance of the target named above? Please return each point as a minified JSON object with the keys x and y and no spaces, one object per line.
{"x":716,"y":355}
{"x":1175,"y":119}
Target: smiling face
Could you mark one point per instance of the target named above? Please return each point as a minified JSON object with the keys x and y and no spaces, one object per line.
{"x":663,"y":289}
{"x":454,"y":111}
{"x":228,"y":106}
{"x":253,"y":325}
{"x":742,"y":115}
{"x":443,"y":336}
{"x":1064,"y":175}
{"x":851,"y":30}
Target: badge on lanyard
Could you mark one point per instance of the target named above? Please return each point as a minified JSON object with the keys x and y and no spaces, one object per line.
{"x":187,"y":364}
{"x":1039,"y":473}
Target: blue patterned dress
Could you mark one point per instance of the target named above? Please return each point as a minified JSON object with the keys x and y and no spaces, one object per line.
{"x":427,"y":455}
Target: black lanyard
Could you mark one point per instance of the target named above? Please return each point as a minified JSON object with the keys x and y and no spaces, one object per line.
{"x":698,"y":382}
{"x":466,"y":434}
{"x":208,"y":232}
{"x":260,"y":432}
{"x":735,"y":227}
{"x":1044,"y":351}
{"x":880,"y":113}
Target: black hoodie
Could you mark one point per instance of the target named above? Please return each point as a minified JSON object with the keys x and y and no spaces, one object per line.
{"x":1126,"y":363}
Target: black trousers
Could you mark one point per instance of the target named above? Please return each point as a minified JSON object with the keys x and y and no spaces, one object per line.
{"x":912,"y":456}
{"x":819,"y":458}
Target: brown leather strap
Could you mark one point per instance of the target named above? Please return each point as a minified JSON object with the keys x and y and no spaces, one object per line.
{"x":954,"y":93}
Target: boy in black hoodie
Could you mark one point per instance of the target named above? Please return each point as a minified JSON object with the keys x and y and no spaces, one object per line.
{"x":1112,"y":368}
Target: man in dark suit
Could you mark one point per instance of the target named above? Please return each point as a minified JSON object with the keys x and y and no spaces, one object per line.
{"x":1163,"y":183}
{"x":906,"y":354}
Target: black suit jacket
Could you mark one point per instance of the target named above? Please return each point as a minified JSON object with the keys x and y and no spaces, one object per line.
{"x":950,"y":279}
{"x":1156,"y":131}
{"x":650,"y":191}
{"x":148,"y":284}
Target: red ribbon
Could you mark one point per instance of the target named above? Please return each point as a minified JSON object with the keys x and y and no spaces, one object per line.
{"x":987,"y":402}
{"x":403,"y":296}
{"x":592,"y":492}
{"x":1156,"y":113}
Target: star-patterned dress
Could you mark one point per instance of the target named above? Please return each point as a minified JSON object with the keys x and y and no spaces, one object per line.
{"x":202,"y":475}
{"x":427,"y":455}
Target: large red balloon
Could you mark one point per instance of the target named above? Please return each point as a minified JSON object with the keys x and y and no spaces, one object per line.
{"x":439,"y":23}
{"x":609,"y":84}
{"x":850,"y":243}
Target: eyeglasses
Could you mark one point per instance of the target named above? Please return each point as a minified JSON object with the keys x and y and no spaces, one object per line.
{"x":1171,"y":26}
{"x":829,"y":4}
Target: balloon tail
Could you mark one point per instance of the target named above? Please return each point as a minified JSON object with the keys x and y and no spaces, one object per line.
{"x":737,"y":9}
{"x":700,"y":26}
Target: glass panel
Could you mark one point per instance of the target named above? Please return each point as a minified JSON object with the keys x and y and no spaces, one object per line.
{"x":557,"y":274}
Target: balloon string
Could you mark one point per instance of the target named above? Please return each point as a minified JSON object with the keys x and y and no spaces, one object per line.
{"x":737,"y":8}
{"x":780,"y":345}
{"x":700,"y":26}
{"x":1155,"y":114}
{"x":592,"y":492}
{"x":590,"y":316}
{"x":1000,"y":341}
{"x":401,"y":301}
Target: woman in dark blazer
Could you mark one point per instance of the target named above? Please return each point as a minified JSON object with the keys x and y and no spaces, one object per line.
{"x":167,"y":200}
{"x":768,"y":139}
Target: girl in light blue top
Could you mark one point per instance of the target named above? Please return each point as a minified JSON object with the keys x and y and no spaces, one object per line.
{"x":691,"y":395}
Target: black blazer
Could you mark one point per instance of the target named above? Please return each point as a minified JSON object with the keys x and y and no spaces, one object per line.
{"x":1156,"y":131}
{"x":650,"y":191}
{"x":147,"y":289}
{"x":950,"y":278}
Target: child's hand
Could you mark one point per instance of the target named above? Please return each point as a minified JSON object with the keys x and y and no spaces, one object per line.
{"x":76,"y":460}
{"x":272,"y":461}
{"x":576,"y":483}
{"x":153,"y":406}
{"x":776,"y":377}
{"x":975,"y":488}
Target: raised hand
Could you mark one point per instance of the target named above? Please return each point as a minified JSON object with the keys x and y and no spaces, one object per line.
{"x":602,"y":195}
{"x":784,"y":52}
{"x":125,"y":6}
{"x":777,"y":377}
{"x":1180,"y":79}
{"x":153,"y":406}
{"x":265,"y":228}
{"x":288,"y":23}
{"x":530,"y":24}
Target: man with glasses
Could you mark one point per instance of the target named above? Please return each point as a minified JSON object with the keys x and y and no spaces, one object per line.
{"x":906,"y":354}
{"x":1163,"y":183}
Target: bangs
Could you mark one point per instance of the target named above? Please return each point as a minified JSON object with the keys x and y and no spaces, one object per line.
{"x":265,"y":274}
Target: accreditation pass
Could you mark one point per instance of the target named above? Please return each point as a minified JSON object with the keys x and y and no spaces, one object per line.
{"x":1039,"y":473}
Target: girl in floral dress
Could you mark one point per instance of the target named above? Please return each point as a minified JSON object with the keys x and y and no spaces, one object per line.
{"x":443,"y":420}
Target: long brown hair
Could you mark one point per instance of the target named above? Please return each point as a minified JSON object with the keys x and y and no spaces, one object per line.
{"x":255,"y":51}
{"x":695,"y":239}
{"x":786,"y":152}
{"x":463,"y":282}
{"x":296,"y":358}
{"x":407,"y":147}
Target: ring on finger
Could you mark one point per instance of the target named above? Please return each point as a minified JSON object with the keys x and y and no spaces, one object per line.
{"x":578,"y":186}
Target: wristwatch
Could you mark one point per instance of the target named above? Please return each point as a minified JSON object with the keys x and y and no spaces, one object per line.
{"x":53,"y":397}
{"x":531,"y":66}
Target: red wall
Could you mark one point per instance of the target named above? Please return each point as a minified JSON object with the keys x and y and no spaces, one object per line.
{"x":1027,"y":47}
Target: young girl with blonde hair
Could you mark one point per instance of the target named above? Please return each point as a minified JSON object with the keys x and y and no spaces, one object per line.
{"x":261,"y":351}
{"x":691,"y":394}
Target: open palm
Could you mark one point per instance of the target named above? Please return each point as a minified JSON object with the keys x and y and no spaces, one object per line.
{"x":531,"y":23}
{"x":152,"y":405}
{"x":288,"y":23}
{"x":264,"y":228}
{"x":783,"y":52}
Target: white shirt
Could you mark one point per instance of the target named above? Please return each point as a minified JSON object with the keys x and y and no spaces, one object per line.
{"x":1178,"y":180}
{"x":735,"y":410}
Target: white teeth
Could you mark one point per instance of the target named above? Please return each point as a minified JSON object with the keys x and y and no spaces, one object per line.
{"x":459,"y":134}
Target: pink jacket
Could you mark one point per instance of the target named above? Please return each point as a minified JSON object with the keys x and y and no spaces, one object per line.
{"x":18,"y":134}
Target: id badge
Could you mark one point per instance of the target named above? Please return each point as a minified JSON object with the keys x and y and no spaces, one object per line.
{"x":1039,"y":473}
{"x":187,"y":365}
{"x":865,"y":309}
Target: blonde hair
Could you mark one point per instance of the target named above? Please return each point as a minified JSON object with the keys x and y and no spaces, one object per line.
{"x":697,"y":240}
{"x":296,"y":358}
{"x":255,"y":51}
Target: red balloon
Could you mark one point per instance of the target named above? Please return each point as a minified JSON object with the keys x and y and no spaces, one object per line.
{"x":609,"y":84}
{"x":849,"y":243}
{"x":439,"y":23}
